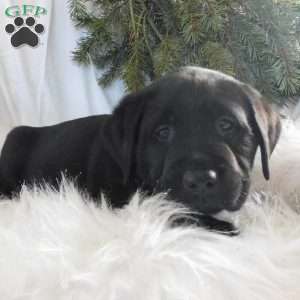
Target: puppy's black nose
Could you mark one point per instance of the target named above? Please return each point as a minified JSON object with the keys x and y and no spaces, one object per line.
{"x":200,"y":181}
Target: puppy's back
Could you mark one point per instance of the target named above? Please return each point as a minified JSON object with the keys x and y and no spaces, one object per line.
{"x":37,"y":154}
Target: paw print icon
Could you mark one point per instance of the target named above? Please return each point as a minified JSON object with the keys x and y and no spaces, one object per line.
{"x":24,"y":32}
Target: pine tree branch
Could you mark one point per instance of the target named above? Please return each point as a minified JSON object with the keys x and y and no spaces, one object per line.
{"x":140,"y":40}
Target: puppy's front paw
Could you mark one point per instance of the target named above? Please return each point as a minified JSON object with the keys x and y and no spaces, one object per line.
{"x":210,"y":223}
{"x":216,"y":225}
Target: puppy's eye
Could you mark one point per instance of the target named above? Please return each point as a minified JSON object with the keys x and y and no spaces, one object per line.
{"x":164,"y":133}
{"x":226,"y":125}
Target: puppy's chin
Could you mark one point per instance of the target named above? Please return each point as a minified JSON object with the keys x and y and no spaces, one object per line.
{"x":230,"y":200}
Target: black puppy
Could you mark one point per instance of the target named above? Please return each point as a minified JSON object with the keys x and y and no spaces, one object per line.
{"x":194,"y":134}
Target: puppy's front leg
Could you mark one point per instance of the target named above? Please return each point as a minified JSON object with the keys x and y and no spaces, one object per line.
{"x":210,"y":223}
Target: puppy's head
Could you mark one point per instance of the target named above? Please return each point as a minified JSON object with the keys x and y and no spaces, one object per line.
{"x":194,"y":134}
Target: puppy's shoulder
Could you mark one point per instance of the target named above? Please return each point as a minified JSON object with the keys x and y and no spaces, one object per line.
{"x":21,"y":135}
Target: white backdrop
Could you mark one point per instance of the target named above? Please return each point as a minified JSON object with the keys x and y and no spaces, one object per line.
{"x":42,"y":85}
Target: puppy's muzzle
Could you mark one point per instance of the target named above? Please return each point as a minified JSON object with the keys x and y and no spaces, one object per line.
{"x":211,"y":182}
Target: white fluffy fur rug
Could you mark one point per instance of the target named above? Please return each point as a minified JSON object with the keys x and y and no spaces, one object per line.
{"x":58,"y":245}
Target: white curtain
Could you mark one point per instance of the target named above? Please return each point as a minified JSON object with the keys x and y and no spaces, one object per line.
{"x":41,"y":85}
{"x":297,"y":111}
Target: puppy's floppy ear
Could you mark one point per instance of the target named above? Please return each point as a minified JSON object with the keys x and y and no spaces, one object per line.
{"x":266,"y":123}
{"x":121,"y":130}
